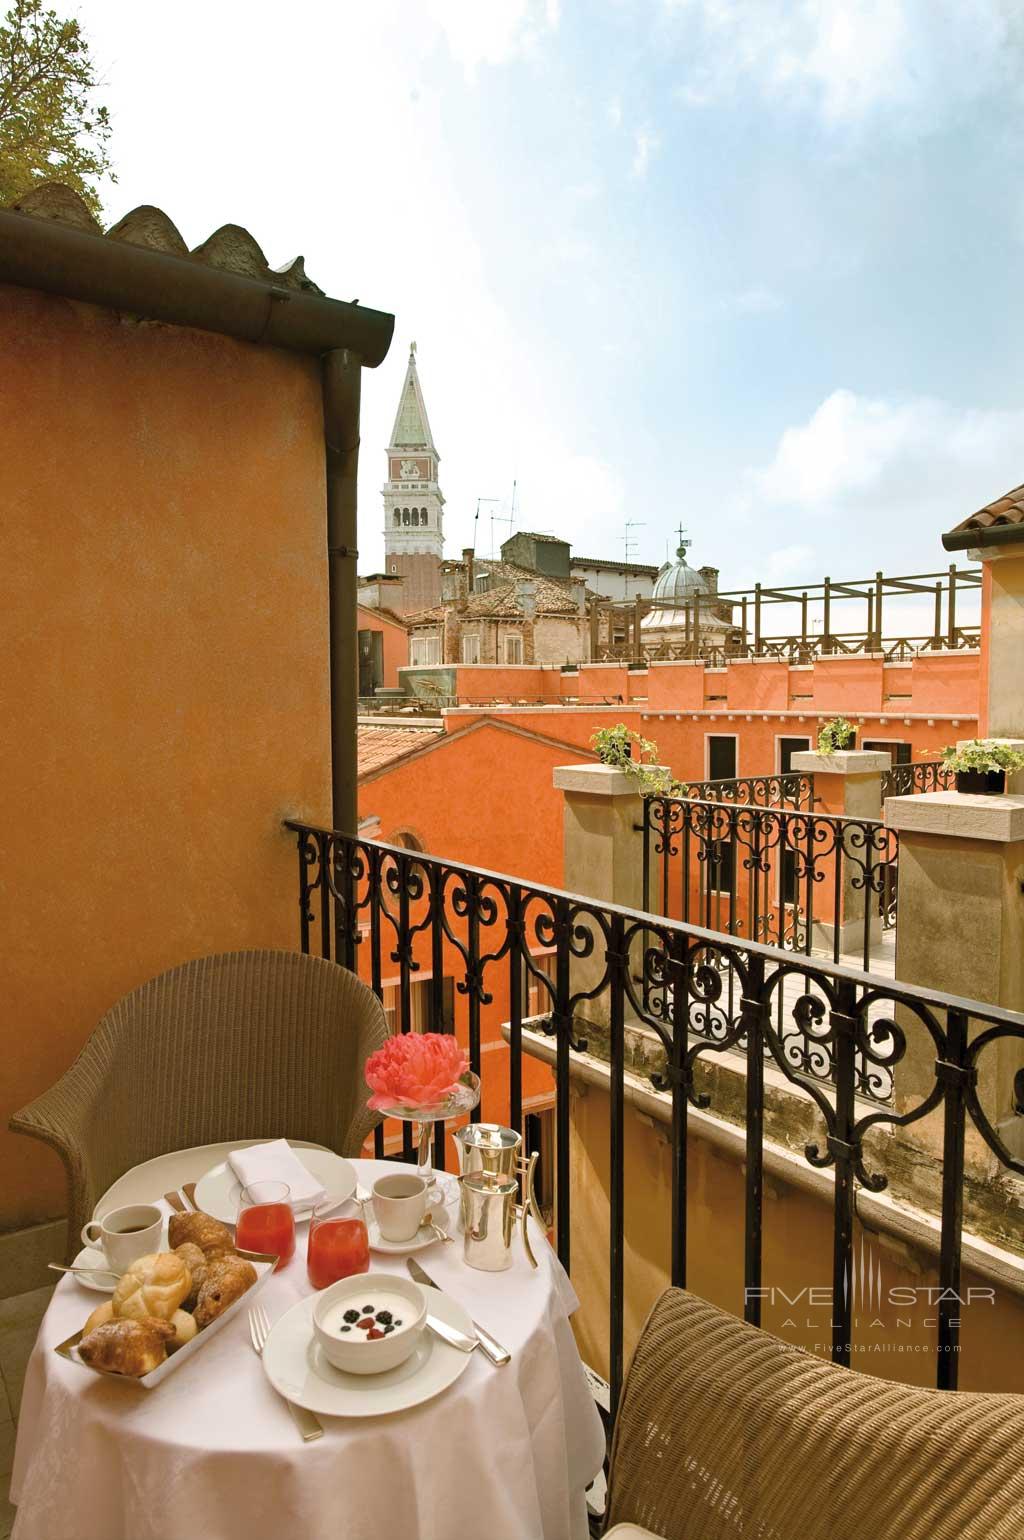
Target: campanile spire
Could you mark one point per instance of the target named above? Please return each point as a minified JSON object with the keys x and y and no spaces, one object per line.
{"x":413,"y":502}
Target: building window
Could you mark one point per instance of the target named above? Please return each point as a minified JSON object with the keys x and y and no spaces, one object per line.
{"x":721,"y":756}
{"x":901,"y":752}
{"x":471,"y":649}
{"x":482,"y":582}
{"x":424,"y":650}
{"x":513,"y":649}
{"x":398,"y":518}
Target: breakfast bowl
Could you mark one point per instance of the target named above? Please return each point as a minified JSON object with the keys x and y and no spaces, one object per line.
{"x":369,"y":1322}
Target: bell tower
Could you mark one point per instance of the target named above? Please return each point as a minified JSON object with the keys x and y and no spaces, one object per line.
{"x":413,"y":503}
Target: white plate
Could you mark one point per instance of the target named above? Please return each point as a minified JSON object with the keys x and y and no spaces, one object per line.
{"x":218,"y":1191}
{"x":423,"y":1238}
{"x":92,"y":1256}
{"x":164,"y":1173}
{"x":298,"y":1370}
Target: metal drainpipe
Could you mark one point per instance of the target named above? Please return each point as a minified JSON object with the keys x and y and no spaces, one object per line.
{"x":341,"y":372}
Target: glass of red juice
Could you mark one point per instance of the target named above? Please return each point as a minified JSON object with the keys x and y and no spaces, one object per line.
{"x":266,"y":1222}
{"x":338,"y":1243}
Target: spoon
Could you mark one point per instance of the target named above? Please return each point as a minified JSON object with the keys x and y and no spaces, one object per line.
{"x":427,"y":1223}
{"x":108,"y":1272}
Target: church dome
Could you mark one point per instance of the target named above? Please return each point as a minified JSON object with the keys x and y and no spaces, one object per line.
{"x":677,"y":582}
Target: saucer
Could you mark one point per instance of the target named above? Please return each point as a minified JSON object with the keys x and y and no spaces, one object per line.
{"x":298,"y":1370}
{"x":442,"y":1217}
{"x":102,"y":1282}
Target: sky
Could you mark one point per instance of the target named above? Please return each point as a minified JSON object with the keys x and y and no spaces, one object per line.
{"x":748,"y":266}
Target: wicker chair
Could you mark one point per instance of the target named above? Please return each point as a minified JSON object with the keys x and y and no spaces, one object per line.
{"x":724,"y":1431}
{"x":241,"y":1045}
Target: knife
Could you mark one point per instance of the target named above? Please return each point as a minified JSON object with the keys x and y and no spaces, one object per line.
{"x":452,"y":1335}
{"x":494,"y":1350}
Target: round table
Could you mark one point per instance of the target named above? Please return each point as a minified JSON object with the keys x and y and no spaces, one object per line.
{"x":213,"y":1451}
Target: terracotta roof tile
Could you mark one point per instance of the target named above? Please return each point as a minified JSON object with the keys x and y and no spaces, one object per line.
{"x":378,"y":746}
{"x":999,"y":522}
{"x":231,"y":248}
{"x":503,"y":599}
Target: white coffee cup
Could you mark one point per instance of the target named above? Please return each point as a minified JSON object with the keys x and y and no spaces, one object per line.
{"x":399,"y":1203}
{"x":125,"y":1234}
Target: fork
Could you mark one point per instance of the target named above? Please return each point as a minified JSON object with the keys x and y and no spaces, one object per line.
{"x":259,"y":1330}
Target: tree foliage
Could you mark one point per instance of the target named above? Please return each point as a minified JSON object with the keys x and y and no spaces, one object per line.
{"x":49,"y":128}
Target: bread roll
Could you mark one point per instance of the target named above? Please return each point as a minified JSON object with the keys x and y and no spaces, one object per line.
{"x":100,"y":1316}
{"x":195,"y":1260}
{"x":127,"y":1347}
{"x":154,"y":1285}
{"x":227,"y":1279}
{"x":185,"y":1329}
{"x":213,"y":1238}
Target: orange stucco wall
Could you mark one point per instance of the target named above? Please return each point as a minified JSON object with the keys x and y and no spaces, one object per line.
{"x":163,"y":606}
{"x":395,"y":644}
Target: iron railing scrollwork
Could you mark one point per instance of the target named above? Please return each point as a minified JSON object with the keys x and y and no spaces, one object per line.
{"x":825,"y":1029}
{"x":784,"y":790}
{"x":911,"y":779}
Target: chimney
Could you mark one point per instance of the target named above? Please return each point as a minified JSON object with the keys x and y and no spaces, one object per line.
{"x":527,"y":593}
{"x":467,"y":557}
{"x":710,"y":576}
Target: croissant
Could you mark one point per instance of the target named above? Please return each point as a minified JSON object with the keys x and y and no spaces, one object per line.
{"x":154,"y":1285}
{"x":202,"y":1230}
{"x":127,"y":1347}
{"x":227,"y":1279}
{"x":195,"y":1260}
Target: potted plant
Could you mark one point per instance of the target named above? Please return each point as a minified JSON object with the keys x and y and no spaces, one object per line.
{"x":981,"y":764}
{"x":836,"y":734}
{"x":614,"y":746}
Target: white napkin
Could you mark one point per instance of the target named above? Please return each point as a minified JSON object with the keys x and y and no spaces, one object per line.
{"x":277,"y":1162}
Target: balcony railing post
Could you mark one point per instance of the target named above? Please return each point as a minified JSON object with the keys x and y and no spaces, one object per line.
{"x":844,"y":1153}
{"x":953,"y":1073}
{"x":617,"y":963}
{"x":752,"y":1012}
{"x":678,"y":972}
{"x":516,"y":966}
{"x":561,"y":1021}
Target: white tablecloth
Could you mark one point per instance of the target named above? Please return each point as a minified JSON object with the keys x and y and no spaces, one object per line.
{"x":212,"y":1452}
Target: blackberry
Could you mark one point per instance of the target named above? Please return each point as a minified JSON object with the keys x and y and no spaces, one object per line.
{"x":397,"y":1323}
{"x":351,"y":1316}
{"x":384,"y":1317}
{"x":388,"y":1328}
{"x":367,"y":1310}
{"x":346,"y":1328}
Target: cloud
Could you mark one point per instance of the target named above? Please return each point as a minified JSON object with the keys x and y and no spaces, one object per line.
{"x":646,"y":144}
{"x":615,"y":112}
{"x":849,"y":60}
{"x":887,"y":475}
{"x":493,"y":32}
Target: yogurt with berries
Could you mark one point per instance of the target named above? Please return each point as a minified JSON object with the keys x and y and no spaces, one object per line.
{"x":368,"y":1323}
{"x":381,"y":1314}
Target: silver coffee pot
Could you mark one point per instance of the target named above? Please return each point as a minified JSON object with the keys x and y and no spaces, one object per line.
{"x":491,"y":1163}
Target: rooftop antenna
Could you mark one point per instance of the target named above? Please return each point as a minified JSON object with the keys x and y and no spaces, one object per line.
{"x":476,"y":521}
{"x":628,"y":547}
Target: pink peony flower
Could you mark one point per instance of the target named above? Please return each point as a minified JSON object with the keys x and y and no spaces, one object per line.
{"x":415,"y":1069}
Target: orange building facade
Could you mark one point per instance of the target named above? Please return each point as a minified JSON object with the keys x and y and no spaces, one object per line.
{"x":165,"y":612}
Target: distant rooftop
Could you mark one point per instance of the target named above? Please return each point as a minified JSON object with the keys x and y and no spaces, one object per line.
{"x":601,"y":565}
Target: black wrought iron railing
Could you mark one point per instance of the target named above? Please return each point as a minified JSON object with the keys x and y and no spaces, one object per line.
{"x":789,"y":790}
{"x":808,"y":882}
{"x":387,"y":911}
{"x":912,"y":779}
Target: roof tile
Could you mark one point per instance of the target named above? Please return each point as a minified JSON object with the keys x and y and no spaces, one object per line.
{"x":379,"y":745}
{"x":1006,"y":512}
